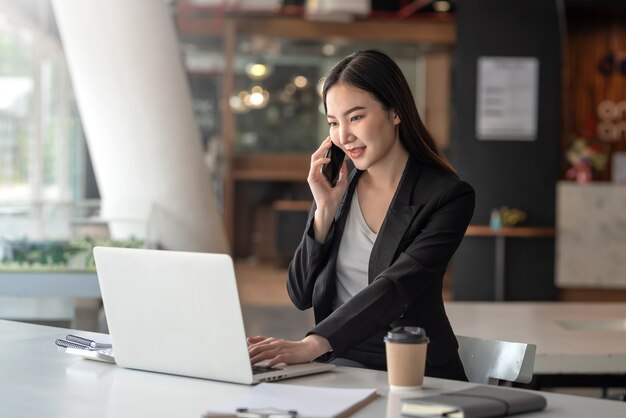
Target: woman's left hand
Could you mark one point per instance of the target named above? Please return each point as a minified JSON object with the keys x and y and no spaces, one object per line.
{"x":277,"y":350}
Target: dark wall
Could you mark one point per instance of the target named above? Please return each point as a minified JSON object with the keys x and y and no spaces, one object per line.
{"x":518,"y":174}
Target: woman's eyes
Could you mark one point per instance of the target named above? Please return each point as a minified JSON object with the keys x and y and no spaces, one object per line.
{"x":352,"y":119}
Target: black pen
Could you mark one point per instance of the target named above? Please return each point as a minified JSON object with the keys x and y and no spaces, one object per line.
{"x":266,"y":413}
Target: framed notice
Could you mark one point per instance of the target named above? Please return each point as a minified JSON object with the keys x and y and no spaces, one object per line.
{"x":507,"y":93}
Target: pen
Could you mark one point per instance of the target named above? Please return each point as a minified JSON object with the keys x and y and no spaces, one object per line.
{"x":266,"y":413}
{"x":85,"y":341}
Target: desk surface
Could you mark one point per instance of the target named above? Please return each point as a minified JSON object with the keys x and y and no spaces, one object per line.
{"x":586,"y":338}
{"x":37,"y":380}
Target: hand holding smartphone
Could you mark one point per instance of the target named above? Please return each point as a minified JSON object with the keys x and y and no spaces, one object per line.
{"x":331,"y":170}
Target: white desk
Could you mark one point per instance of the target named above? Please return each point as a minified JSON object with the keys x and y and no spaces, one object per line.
{"x":36,"y":380}
{"x":571,"y":338}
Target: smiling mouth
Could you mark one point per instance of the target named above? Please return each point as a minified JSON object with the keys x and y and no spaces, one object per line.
{"x":356,"y":152}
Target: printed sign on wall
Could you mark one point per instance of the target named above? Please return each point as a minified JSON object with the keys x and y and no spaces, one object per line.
{"x":507,"y":93}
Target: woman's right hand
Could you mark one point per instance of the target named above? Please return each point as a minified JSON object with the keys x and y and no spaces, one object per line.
{"x":326,"y":198}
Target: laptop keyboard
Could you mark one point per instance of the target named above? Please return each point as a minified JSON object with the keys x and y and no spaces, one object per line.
{"x":263,"y":369}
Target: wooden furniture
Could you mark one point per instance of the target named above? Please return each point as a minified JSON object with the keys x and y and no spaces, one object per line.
{"x":294,"y":168}
{"x":248,"y":174}
{"x":245,"y":172}
{"x":593,"y":82}
{"x":500,"y":236}
{"x":43,"y":381}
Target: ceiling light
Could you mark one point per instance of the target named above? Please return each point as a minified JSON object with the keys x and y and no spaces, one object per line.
{"x":257,"y":71}
{"x":442,"y":6}
{"x":300,"y":81}
{"x":329,"y":50}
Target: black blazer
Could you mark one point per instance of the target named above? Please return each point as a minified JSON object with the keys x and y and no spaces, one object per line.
{"x":424,"y":225}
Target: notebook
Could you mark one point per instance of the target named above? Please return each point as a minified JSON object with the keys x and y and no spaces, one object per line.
{"x":179,"y":313}
{"x":475,"y":402}
{"x":267,"y":399}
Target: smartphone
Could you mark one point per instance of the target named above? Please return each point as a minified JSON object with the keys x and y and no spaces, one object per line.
{"x":331,"y":170}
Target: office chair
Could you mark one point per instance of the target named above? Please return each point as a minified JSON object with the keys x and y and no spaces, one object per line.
{"x":489,"y":361}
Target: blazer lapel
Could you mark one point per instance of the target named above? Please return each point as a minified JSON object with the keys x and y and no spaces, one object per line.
{"x":397,"y":221}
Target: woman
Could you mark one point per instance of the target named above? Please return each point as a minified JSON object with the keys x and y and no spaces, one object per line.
{"x":377,"y":244}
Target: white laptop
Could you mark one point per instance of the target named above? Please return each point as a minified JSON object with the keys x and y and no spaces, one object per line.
{"x":179,"y":313}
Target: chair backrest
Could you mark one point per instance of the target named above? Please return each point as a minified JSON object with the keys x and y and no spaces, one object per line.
{"x":488,"y":361}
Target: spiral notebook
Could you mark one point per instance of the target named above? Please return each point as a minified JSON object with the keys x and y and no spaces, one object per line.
{"x":179,"y":313}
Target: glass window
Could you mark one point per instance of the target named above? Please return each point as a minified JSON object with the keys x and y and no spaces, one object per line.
{"x":42,"y":145}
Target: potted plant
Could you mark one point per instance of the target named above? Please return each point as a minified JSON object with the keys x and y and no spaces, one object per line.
{"x":583,"y":159}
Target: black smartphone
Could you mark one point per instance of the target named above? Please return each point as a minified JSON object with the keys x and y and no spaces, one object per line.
{"x":331,"y":170}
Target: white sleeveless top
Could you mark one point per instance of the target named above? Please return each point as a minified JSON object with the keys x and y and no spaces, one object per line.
{"x":354,"y":255}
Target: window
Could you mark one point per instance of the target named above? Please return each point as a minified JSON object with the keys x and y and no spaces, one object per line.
{"x":42,"y":145}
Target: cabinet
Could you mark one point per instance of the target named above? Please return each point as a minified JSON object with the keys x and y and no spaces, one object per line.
{"x":267,"y":141}
{"x":591,"y":244}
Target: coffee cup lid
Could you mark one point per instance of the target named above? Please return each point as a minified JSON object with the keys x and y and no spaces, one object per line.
{"x":407,"y":335}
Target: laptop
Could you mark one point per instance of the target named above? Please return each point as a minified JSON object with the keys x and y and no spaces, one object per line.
{"x":179,"y":313}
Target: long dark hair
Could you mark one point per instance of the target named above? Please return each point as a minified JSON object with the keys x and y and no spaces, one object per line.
{"x":376,"y":73}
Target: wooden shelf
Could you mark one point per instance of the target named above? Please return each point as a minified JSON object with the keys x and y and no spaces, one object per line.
{"x":219,"y":24}
{"x":292,"y":205}
{"x":514,"y":232}
{"x":436,"y":32}
{"x":271,"y":167}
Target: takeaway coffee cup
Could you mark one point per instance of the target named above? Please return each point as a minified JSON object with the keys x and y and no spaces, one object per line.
{"x":406,"y":357}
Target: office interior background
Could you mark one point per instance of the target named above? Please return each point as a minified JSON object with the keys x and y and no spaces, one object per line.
{"x":526,"y":98}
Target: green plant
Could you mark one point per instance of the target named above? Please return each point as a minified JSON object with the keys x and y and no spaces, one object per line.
{"x":581,"y":152}
{"x":73,"y":254}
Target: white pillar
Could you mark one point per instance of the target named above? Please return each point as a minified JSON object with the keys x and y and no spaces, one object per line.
{"x":136,"y":109}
